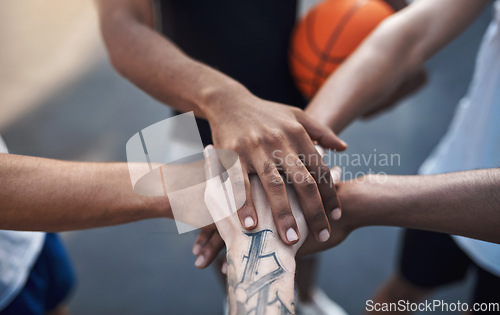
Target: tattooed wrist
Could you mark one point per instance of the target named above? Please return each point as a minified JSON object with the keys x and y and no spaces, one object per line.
{"x":260,"y":276}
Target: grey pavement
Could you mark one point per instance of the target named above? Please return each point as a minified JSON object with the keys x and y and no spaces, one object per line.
{"x":147,"y":268}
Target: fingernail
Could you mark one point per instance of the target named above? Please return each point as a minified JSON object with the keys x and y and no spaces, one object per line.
{"x":343,"y":142}
{"x":196,"y":249}
{"x":291,"y":235}
{"x":249,"y":222}
{"x":199,"y":261}
{"x":336,"y":214}
{"x":224,"y":268}
{"x":324,"y":235}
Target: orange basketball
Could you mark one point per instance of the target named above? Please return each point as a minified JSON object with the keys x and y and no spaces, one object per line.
{"x":327,"y":35}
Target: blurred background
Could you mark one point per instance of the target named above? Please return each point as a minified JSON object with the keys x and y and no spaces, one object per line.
{"x":60,"y":98}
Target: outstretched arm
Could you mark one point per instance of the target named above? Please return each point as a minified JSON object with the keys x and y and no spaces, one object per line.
{"x":463,"y":203}
{"x":263,"y":133}
{"x":395,"y":51}
{"x":50,"y":195}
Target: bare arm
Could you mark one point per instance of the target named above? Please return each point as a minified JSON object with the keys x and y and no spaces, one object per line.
{"x":262,"y":133}
{"x":155,"y":64}
{"x":260,"y":268}
{"x":50,"y":195}
{"x":394,"y":51}
{"x":463,"y":203}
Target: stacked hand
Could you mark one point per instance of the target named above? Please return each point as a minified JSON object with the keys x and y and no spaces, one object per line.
{"x":269,"y":138}
{"x":211,"y":239}
{"x":259,"y":264}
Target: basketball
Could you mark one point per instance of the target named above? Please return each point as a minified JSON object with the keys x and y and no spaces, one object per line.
{"x":327,"y":35}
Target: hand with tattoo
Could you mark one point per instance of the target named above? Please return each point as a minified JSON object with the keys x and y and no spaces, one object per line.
{"x":260,"y":267}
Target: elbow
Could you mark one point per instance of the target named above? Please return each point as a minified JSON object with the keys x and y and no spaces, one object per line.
{"x":114,"y":49}
{"x":116,"y":59}
{"x":115,"y":32}
{"x":119,"y":22}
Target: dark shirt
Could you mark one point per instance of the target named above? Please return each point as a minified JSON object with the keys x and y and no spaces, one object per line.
{"x":245,"y":39}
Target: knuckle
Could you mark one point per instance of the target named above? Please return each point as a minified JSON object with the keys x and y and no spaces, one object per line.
{"x":295,"y":128}
{"x":252,"y":140}
{"x":275,"y":136}
{"x":268,"y":168}
{"x":298,"y":163}
{"x":318,"y":216}
{"x":246,"y":208}
{"x":203,"y":238}
{"x":209,"y":247}
{"x":284,"y":214}
{"x":322,"y":175}
{"x":275,"y":182}
{"x":215,"y":244}
{"x":232,"y":145}
{"x":296,"y":111}
{"x":323,"y":169}
{"x":238,"y":147}
{"x":309,"y":184}
{"x":330,"y":200}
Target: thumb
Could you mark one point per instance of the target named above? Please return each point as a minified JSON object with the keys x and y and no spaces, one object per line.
{"x":213,"y":166}
{"x":336,"y":174}
{"x":216,"y":194}
{"x":321,"y":133}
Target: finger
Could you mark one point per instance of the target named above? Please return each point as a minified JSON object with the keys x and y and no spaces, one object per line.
{"x":202,"y":239}
{"x":213,"y":166}
{"x":309,"y":197}
{"x":320,"y":150}
{"x":321,"y":174}
{"x":240,"y":183}
{"x":336,"y":174}
{"x":275,"y":189}
{"x":321,"y":133}
{"x":247,"y":213}
{"x":223,"y":269}
{"x":217,"y":198}
{"x":210,"y":251}
{"x":232,"y":165}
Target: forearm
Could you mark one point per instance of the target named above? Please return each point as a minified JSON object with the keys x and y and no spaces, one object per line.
{"x":50,"y":195}
{"x":261,"y":268}
{"x":462,"y":203}
{"x":396,"y":50}
{"x":366,"y":77}
{"x":260,"y":273}
{"x":158,"y":66}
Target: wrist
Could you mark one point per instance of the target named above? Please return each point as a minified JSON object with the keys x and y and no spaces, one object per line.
{"x":238,"y":247}
{"x":156,"y":207}
{"x":216,"y":100}
{"x":359,"y":202}
{"x":372,"y":200}
{"x":325,"y":110}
